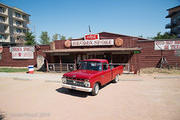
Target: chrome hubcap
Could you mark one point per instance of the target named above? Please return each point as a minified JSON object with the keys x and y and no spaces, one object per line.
{"x":117,"y":78}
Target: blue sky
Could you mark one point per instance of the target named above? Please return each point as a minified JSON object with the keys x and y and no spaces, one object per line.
{"x":72,"y":17}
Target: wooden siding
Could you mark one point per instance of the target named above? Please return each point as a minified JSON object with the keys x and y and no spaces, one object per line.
{"x":150,"y":57}
{"x":8,"y":61}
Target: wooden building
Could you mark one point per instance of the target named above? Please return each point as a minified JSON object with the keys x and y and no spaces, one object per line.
{"x":64,"y":55}
{"x":132,"y":52}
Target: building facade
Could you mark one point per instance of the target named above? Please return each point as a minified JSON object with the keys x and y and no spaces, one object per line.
{"x":13,"y":25}
{"x":174,"y":25}
{"x":133,"y":53}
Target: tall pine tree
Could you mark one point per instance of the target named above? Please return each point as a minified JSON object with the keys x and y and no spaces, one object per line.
{"x":30,"y":39}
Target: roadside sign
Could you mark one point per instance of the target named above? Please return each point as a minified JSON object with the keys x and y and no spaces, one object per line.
{"x":166,"y":45}
{"x":22,"y":52}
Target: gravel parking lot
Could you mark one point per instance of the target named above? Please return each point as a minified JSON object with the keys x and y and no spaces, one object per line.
{"x":40,"y":97}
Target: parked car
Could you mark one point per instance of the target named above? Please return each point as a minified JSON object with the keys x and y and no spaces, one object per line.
{"x":91,"y":75}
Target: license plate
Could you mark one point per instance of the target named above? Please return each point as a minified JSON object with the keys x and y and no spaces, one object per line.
{"x":73,"y":87}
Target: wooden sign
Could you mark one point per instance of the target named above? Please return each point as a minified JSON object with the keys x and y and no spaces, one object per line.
{"x":67,"y":43}
{"x":118,"y":42}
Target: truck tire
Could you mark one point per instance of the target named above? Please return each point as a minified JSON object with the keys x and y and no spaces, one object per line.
{"x":116,"y":79}
{"x":95,"y":90}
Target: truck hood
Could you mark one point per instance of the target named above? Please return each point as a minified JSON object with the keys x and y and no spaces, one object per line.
{"x":81,"y":74}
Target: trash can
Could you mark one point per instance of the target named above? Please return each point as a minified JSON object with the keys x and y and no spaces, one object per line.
{"x":31,"y":69}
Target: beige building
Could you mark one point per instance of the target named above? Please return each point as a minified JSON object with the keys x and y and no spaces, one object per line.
{"x":174,"y":25}
{"x":13,"y":25}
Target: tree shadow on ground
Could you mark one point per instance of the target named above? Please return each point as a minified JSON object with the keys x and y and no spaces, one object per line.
{"x":2,"y":117}
{"x":73,"y":92}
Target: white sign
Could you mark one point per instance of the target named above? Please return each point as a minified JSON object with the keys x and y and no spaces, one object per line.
{"x":167,"y":45}
{"x":22,"y":52}
{"x":93,"y":42}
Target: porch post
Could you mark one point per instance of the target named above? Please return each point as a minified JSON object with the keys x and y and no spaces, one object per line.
{"x":111,"y":58}
{"x":138,"y":64}
{"x":47,"y":66}
{"x":75,"y":62}
{"x":60,"y":63}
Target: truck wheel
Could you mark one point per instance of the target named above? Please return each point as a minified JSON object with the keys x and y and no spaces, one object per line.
{"x":116,"y":79}
{"x":95,"y":90}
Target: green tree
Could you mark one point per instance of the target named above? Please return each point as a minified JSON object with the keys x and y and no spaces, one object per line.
{"x":45,"y":39}
{"x":69,"y":38}
{"x":55,"y":37}
{"x":166,"y":35}
{"x":29,"y":38}
{"x":63,"y":37}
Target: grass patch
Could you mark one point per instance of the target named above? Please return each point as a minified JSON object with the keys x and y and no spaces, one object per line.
{"x":160,"y":70}
{"x":13,"y":69}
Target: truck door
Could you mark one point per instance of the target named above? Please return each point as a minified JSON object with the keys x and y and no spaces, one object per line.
{"x":106,"y":73}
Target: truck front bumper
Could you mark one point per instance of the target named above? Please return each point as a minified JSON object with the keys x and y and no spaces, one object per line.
{"x":76,"y":88}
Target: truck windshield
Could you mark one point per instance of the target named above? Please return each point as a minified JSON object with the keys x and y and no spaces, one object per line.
{"x":90,"y":65}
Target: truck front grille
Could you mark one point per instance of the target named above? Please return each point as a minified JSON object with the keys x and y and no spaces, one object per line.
{"x":75,"y":82}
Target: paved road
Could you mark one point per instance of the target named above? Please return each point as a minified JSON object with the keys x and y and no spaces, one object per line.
{"x":40,"y":97}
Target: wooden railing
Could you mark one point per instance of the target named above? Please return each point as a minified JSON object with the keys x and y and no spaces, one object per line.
{"x":56,"y":67}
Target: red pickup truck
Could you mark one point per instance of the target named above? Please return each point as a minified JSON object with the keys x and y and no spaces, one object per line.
{"x":91,"y":75}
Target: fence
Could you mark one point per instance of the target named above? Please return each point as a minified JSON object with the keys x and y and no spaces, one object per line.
{"x":71,"y":66}
{"x":64,"y":67}
{"x":125,"y":65}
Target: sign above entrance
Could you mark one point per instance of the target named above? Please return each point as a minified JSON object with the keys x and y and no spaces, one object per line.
{"x":167,"y":45}
{"x":103,"y":42}
{"x":91,"y":37}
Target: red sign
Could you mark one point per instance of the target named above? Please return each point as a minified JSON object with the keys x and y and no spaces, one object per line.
{"x":91,"y":37}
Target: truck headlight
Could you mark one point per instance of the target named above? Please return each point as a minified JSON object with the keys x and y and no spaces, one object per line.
{"x":87,"y":84}
{"x":63,"y":80}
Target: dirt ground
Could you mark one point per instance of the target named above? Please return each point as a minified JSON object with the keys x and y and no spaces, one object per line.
{"x":135,"y":97}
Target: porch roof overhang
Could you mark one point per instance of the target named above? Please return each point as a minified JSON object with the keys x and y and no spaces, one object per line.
{"x":92,"y":50}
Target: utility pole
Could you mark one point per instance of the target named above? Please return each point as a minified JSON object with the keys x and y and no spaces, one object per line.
{"x":89,"y":30}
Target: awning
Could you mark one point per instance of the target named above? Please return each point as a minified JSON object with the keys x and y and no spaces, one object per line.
{"x":92,"y":50}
